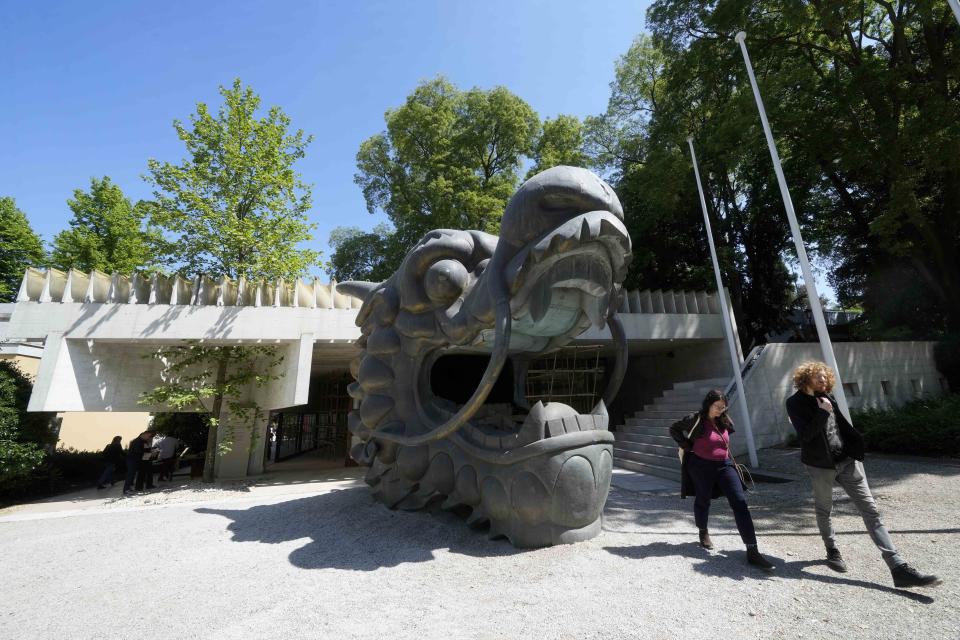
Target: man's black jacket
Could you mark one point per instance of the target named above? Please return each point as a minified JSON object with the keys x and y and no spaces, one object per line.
{"x":135,"y":450}
{"x":810,"y":422}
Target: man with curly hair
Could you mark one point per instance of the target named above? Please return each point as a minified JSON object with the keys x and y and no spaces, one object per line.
{"x":832,"y":451}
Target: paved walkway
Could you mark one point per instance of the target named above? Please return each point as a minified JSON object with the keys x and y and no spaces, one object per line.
{"x":296,"y":556}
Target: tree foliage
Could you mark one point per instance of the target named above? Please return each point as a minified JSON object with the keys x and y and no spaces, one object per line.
{"x":106,"y":233}
{"x":658,"y":98}
{"x":23,"y":435}
{"x":20,"y":248}
{"x":447,"y":159}
{"x":362,"y":255}
{"x":864,"y":99}
{"x":560,"y":143}
{"x":213,"y":380}
{"x":235,"y":206}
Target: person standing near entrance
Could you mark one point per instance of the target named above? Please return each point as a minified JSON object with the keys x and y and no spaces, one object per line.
{"x":833,"y":453}
{"x":139,"y":464}
{"x":707,"y":471}
{"x":167,"y":445}
{"x":112,"y":460}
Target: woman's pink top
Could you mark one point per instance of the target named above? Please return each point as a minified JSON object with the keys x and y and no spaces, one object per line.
{"x":711,"y":445}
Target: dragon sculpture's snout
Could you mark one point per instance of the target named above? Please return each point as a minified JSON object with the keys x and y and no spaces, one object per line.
{"x":557,"y":268}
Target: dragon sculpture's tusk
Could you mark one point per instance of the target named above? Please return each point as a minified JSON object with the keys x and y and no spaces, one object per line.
{"x":498,"y":357}
{"x":620,"y":355}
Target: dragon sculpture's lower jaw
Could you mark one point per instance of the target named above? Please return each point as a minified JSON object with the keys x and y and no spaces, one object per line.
{"x":542,"y":485}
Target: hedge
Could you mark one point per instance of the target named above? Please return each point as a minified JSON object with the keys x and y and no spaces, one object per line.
{"x":925,"y":427}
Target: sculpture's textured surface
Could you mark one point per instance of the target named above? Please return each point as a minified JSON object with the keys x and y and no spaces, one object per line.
{"x":557,"y":268}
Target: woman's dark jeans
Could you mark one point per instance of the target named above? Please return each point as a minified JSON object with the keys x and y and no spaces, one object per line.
{"x":706,"y":473}
{"x":107,"y":475}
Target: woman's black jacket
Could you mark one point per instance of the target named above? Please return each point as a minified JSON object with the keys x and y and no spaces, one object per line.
{"x":113,"y":453}
{"x":810,"y":422}
{"x":693,"y":425}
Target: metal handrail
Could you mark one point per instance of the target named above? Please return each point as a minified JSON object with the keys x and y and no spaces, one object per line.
{"x":746,"y":368}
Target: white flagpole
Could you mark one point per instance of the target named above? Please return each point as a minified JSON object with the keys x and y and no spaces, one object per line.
{"x":812,"y":296}
{"x":955,"y":5}
{"x":727,"y":331}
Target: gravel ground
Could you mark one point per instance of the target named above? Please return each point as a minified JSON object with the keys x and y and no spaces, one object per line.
{"x":322,"y":560}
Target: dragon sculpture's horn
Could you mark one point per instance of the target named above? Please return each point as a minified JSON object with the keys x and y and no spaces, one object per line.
{"x":358,"y":288}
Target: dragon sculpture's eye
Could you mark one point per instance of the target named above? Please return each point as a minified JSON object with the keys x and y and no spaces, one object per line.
{"x":445,"y":280}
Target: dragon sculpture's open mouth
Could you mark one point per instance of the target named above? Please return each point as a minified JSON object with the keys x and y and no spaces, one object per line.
{"x":538,"y":478}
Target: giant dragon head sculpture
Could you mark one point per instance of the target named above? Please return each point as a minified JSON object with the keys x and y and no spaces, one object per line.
{"x":557,"y":268}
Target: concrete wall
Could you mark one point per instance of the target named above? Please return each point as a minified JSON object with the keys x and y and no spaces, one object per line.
{"x":27,"y":364}
{"x":907,"y":368}
{"x":92,"y":431}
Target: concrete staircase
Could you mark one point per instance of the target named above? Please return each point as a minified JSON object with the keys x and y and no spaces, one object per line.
{"x":644,"y":444}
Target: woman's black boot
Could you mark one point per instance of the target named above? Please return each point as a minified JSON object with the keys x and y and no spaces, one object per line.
{"x":757,"y":560}
{"x":705,"y":540}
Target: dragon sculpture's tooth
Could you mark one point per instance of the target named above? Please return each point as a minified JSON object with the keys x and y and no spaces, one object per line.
{"x":557,"y":268}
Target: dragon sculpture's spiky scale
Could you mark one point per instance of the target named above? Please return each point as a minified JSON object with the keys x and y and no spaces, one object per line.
{"x":556,"y":268}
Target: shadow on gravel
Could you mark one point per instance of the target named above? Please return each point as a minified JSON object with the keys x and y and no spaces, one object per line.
{"x":347,"y":529}
{"x":722,"y":565}
{"x":794,"y":570}
{"x":734,"y":566}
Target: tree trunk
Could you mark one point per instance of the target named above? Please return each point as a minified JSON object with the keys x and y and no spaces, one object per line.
{"x":211,"y":455}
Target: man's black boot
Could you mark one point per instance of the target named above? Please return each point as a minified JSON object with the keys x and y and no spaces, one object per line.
{"x":835,"y":561}
{"x":905,"y":576}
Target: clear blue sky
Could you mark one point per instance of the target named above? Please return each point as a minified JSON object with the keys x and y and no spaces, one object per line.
{"x":91,"y":89}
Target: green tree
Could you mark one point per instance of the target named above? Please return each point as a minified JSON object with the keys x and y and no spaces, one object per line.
{"x":447,"y":159}
{"x":657,"y":99}
{"x":362,"y":255}
{"x":235,"y":206}
{"x":20,"y":248}
{"x":106,"y":233}
{"x":864,"y":99}
{"x":213,"y":380}
{"x":23,"y":435}
{"x":560,"y":142}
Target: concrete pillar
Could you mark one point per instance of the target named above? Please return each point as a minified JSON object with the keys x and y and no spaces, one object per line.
{"x":236,"y":431}
{"x":258,"y":442}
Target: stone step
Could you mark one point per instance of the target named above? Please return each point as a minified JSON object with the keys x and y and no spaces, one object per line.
{"x":673,"y":416}
{"x":676,"y":408}
{"x":705,"y":384}
{"x":667,"y":473}
{"x":650,"y":422}
{"x":663,"y":441}
{"x":684,"y":394}
{"x":644,"y":431}
{"x":662,"y":450}
{"x":648,"y":458}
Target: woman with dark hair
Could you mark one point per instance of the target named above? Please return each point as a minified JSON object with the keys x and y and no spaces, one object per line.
{"x":113,"y":459}
{"x":708,"y":470}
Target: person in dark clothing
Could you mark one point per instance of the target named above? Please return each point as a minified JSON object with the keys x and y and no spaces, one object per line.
{"x":112,"y":460}
{"x":139,"y":464}
{"x":707,"y":469}
{"x":833,"y":452}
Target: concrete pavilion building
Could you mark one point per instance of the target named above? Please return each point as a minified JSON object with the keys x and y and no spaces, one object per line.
{"x":87,"y":338}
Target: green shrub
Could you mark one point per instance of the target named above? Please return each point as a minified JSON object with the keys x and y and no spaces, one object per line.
{"x":23,"y":435}
{"x":926,"y":427}
{"x":78,"y":467}
{"x":58,"y":472}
